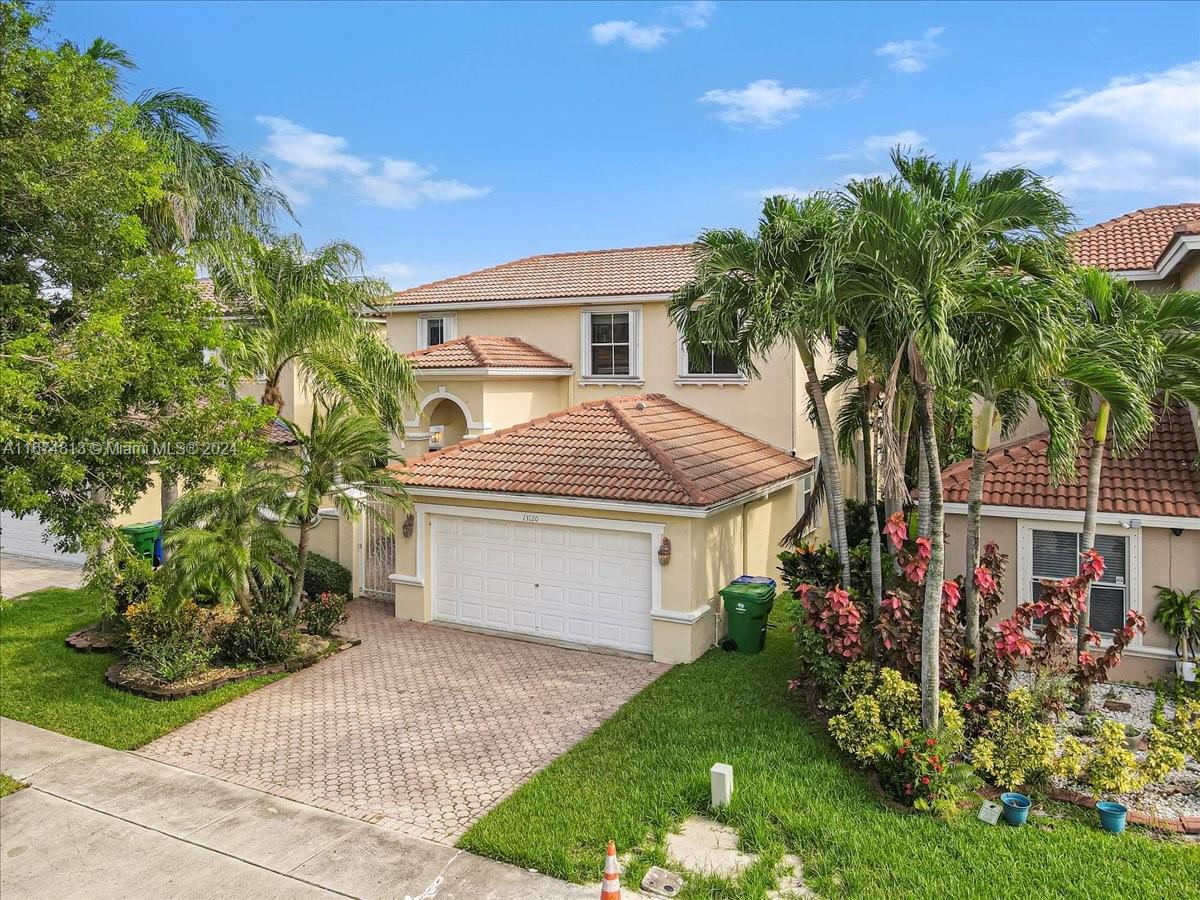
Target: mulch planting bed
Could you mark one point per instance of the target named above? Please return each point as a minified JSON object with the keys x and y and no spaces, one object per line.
{"x":127,"y":678}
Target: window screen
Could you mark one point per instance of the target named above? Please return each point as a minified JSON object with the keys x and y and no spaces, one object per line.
{"x":1056,"y":555}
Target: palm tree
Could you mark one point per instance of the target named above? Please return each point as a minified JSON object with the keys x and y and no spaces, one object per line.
{"x":1130,"y":350}
{"x":227,"y":537}
{"x":343,"y":456}
{"x":751,"y":293}
{"x":1008,"y":365}
{"x":304,"y":308}
{"x":920,"y":244}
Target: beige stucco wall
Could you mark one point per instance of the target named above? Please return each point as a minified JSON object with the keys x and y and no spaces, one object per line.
{"x":1188,"y":278}
{"x":335,"y":538}
{"x":768,"y":408}
{"x":706,"y":555}
{"x":1166,"y":559}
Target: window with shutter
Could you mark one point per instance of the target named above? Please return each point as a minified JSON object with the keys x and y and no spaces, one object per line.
{"x":1056,"y":556}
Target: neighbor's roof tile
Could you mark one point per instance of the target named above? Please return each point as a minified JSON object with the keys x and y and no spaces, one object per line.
{"x":1135,"y":240}
{"x":1159,"y":480}
{"x":471,"y":352}
{"x":646,"y":449}
{"x":590,"y":273}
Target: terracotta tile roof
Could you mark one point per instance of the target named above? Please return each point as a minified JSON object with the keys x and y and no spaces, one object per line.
{"x":645,"y":449}
{"x":1160,"y":480}
{"x":590,"y":273}
{"x":471,"y":352}
{"x":276,"y":433}
{"x":1135,"y":240}
{"x":204,"y":287}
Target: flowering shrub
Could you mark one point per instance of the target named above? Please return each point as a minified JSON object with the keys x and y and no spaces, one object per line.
{"x":916,"y":770}
{"x":324,"y":613}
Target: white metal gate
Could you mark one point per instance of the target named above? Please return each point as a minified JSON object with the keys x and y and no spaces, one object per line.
{"x":379,"y":555}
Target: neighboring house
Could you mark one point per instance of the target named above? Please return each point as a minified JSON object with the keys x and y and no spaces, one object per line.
{"x":576,"y":475}
{"x":1149,"y":509}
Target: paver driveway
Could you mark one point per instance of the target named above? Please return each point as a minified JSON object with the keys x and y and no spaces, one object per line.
{"x":420,"y":728}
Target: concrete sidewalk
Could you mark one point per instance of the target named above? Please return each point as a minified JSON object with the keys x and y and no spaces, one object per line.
{"x":102,"y":823}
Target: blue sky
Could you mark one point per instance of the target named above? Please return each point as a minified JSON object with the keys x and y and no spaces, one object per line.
{"x":442,"y":138}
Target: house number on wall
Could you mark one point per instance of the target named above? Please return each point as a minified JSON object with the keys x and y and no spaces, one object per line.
{"x":528,"y":518}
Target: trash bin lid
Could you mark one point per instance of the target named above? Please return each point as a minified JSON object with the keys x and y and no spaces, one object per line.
{"x":754,"y":579}
{"x":758,"y":593}
{"x":141,"y":528}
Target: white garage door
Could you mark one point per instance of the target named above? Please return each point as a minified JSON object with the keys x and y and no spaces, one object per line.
{"x":585,"y":585}
{"x":27,"y":537}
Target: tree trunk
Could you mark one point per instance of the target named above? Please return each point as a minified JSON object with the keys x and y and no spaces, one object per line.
{"x":168,"y":493}
{"x":868,"y":456}
{"x":272,"y":395}
{"x":1088,"y":541}
{"x":835,"y":499}
{"x":301,"y":563}
{"x":242,"y":594}
{"x":895,"y":504}
{"x":922,"y":485}
{"x":980,"y":444}
{"x":931,"y":617}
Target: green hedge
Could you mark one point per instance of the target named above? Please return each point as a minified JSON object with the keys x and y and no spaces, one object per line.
{"x":323,"y":574}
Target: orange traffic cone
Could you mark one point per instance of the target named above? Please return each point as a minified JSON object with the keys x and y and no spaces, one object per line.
{"x":611,"y":888}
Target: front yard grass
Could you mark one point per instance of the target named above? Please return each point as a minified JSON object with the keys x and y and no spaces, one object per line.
{"x":646,"y":769}
{"x":44,"y":683}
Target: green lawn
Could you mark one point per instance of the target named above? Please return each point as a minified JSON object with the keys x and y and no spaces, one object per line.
{"x":9,"y":785}
{"x":45,"y":684}
{"x":647,"y":769}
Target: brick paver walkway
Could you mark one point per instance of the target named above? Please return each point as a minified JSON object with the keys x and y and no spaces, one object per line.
{"x":421,"y":728}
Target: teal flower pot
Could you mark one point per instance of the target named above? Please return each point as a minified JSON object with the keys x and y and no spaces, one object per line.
{"x":1016,"y":807}
{"x":1112,"y":816}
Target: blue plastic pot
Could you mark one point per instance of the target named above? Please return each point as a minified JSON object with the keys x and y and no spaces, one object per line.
{"x":1016,"y":807}
{"x":1112,"y":816}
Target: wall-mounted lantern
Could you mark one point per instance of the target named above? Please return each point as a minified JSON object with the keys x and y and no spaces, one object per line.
{"x":407,"y":528}
{"x":664,"y":551}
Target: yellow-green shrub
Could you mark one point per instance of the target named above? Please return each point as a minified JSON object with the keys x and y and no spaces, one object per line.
{"x":1015,"y":748}
{"x":1112,"y":768}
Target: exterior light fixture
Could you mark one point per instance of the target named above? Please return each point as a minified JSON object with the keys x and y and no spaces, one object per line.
{"x":407,"y":528}
{"x":664,"y":551}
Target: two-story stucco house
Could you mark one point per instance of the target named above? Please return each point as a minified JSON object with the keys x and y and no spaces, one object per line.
{"x":1149,"y":510}
{"x":576,"y":476}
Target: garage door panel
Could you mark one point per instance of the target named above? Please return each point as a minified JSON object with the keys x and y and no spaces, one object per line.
{"x":588,"y":585}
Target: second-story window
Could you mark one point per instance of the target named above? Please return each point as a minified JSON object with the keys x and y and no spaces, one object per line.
{"x":610,"y":340}
{"x":711,"y":361}
{"x":434,"y":330}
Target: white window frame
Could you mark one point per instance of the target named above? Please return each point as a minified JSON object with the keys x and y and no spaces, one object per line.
{"x":1133,"y":536}
{"x":635,"y":345}
{"x":806,"y":485}
{"x":448,"y":327}
{"x":683,"y":376}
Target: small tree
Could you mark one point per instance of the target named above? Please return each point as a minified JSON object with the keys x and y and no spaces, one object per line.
{"x":344,"y":457}
{"x":227,"y":537}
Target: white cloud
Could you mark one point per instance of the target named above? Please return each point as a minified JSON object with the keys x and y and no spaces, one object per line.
{"x":397,"y":274}
{"x":639,"y":36}
{"x":1138,"y":133}
{"x":912,"y":55}
{"x":763,"y":104}
{"x":879,"y":145}
{"x":312,"y":159}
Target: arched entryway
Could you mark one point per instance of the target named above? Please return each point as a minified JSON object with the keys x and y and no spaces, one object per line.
{"x":448,"y":416}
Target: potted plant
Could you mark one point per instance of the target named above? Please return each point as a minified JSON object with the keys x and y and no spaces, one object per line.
{"x":1016,"y":807}
{"x":1179,"y":615}
{"x":1112,"y":816}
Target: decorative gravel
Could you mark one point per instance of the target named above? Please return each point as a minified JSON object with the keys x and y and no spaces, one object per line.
{"x":1179,"y":793}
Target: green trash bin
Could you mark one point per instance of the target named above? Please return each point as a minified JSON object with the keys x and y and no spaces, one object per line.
{"x":142,"y":538}
{"x":747,"y":607}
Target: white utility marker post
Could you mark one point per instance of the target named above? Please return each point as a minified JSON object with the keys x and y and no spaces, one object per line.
{"x":721,"y":778}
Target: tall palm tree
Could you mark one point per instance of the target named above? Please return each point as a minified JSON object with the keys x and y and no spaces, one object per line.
{"x":1130,"y":349}
{"x":753,"y":292}
{"x":303,"y":308}
{"x":227,"y":536}
{"x":920,"y":244}
{"x":342,"y":456}
{"x":1007,"y":366}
